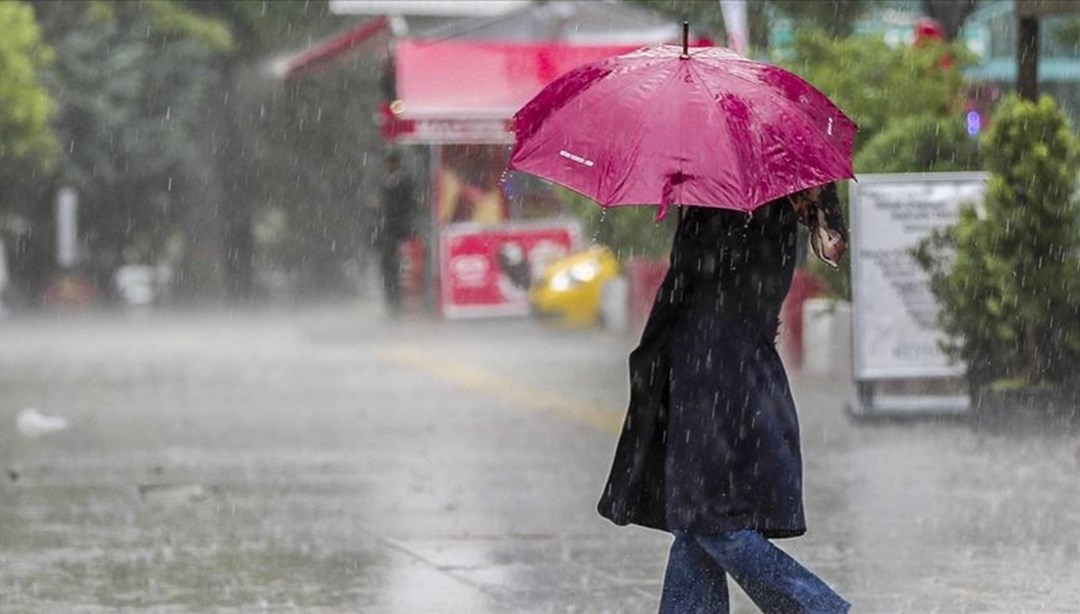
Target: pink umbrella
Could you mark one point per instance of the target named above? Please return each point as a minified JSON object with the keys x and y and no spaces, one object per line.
{"x":671,"y":126}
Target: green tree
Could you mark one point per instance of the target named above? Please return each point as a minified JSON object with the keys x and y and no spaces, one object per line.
{"x":876,"y":84}
{"x":25,"y":105}
{"x":242,"y":107}
{"x":27,"y":140}
{"x":318,"y":154}
{"x":1006,"y":275}
{"x":918,"y":131}
{"x":920,"y":143}
{"x":836,"y":18}
{"x":127,"y":94}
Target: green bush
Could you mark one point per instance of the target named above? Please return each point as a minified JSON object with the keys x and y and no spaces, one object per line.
{"x":1006,"y":275}
{"x":25,"y":106}
{"x":920,"y":143}
{"x":877,"y":84}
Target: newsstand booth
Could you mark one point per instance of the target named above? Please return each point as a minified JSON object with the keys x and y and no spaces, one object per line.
{"x":492,"y":232}
{"x":451,"y":92}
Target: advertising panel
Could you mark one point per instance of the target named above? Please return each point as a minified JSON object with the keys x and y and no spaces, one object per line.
{"x":487,"y":270}
{"x":895,"y":316}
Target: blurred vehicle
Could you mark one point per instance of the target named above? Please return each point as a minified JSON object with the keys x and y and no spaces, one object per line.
{"x":141,"y":285}
{"x":571,"y":288}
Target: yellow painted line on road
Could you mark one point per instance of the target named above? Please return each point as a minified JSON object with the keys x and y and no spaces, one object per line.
{"x":516,"y":394}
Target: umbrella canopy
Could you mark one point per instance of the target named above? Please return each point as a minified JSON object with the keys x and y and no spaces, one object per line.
{"x":667,"y":126}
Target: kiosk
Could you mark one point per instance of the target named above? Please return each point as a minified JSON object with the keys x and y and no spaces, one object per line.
{"x":452,"y":91}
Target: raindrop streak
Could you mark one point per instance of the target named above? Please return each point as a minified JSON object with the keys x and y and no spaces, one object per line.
{"x":600,"y":222}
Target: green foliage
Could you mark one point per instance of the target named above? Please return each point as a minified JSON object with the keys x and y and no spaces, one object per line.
{"x":876,"y":84}
{"x":284,"y":154}
{"x":915,"y":144}
{"x":255,"y":29}
{"x":175,"y":19}
{"x":1006,"y":275}
{"x":314,"y":161}
{"x":906,"y":101}
{"x":833,"y":17}
{"x":920,"y":143}
{"x":180,"y":142}
{"x":127,"y":99}
{"x":25,"y":105}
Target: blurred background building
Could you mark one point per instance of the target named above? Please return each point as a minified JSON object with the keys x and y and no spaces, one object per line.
{"x":228,"y":150}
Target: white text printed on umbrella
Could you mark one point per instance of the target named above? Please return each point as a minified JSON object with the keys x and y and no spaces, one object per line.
{"x":576,"y":158}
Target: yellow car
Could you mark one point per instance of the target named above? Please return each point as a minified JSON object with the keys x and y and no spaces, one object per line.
{"x":571,"y":288}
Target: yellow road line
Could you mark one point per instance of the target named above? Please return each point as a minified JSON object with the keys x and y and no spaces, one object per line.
{"x":520,"y":395}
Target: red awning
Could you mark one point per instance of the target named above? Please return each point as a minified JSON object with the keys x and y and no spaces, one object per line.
{"x":469,"y":79}
{"x":324,"y":55}
{"x":466,"y":91}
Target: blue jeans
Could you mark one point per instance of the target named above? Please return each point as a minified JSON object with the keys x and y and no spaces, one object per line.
{"x":695,"y":582}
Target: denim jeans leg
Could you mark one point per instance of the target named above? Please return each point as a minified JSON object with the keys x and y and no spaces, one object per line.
{"x":693,"y":582}
{"x":774,"y":581}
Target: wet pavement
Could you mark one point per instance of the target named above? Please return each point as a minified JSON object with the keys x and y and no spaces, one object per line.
{"x":328,"y":461}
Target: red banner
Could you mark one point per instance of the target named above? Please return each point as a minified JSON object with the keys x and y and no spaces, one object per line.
{"x":486,"y":271}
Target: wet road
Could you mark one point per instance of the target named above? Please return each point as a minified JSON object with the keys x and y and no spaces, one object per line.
{"x":325,"y":461}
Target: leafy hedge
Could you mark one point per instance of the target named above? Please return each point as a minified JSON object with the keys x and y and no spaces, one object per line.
{"x":1007,"y":275}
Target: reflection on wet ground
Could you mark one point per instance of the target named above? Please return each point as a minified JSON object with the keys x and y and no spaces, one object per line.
{"x":329,"y":461}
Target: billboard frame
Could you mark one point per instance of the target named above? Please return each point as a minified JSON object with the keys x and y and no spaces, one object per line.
{"x":871,"y":398}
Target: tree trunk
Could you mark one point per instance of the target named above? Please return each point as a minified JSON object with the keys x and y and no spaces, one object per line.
{"x":1027,"y":57}
{"x":1032,"y":372}
{"x":199,"y":276}
{"x":237,"y":207}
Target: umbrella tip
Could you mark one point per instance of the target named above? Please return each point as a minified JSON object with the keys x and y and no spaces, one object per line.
{"x":685,"y":39}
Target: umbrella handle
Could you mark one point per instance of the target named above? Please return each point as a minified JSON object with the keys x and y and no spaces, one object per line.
{"x":685,"y":40}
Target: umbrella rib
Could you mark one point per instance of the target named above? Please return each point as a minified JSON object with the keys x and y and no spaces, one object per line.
{"x":637,"y":131}
{"x":792,"y":107}
{"x":787,"y":103}
{"x":714,"y":99}
{"x":643,"y":129}
{"x":671,"y":77}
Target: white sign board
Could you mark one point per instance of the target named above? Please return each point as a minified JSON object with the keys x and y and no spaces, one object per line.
{"x":895,"y":316}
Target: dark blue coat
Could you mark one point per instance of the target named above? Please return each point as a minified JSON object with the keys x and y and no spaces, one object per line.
{"x":711,"y":438}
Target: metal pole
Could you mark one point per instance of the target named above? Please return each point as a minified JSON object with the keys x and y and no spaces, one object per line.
{"x":67,"y":228}
{"x":685,"y":39}
{"x":1027,"y":57}
{"x":433,"y":270}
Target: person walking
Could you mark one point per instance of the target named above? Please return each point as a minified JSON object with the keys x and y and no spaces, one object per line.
{"x":710,"y":447}
{"x":395,"y":206}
